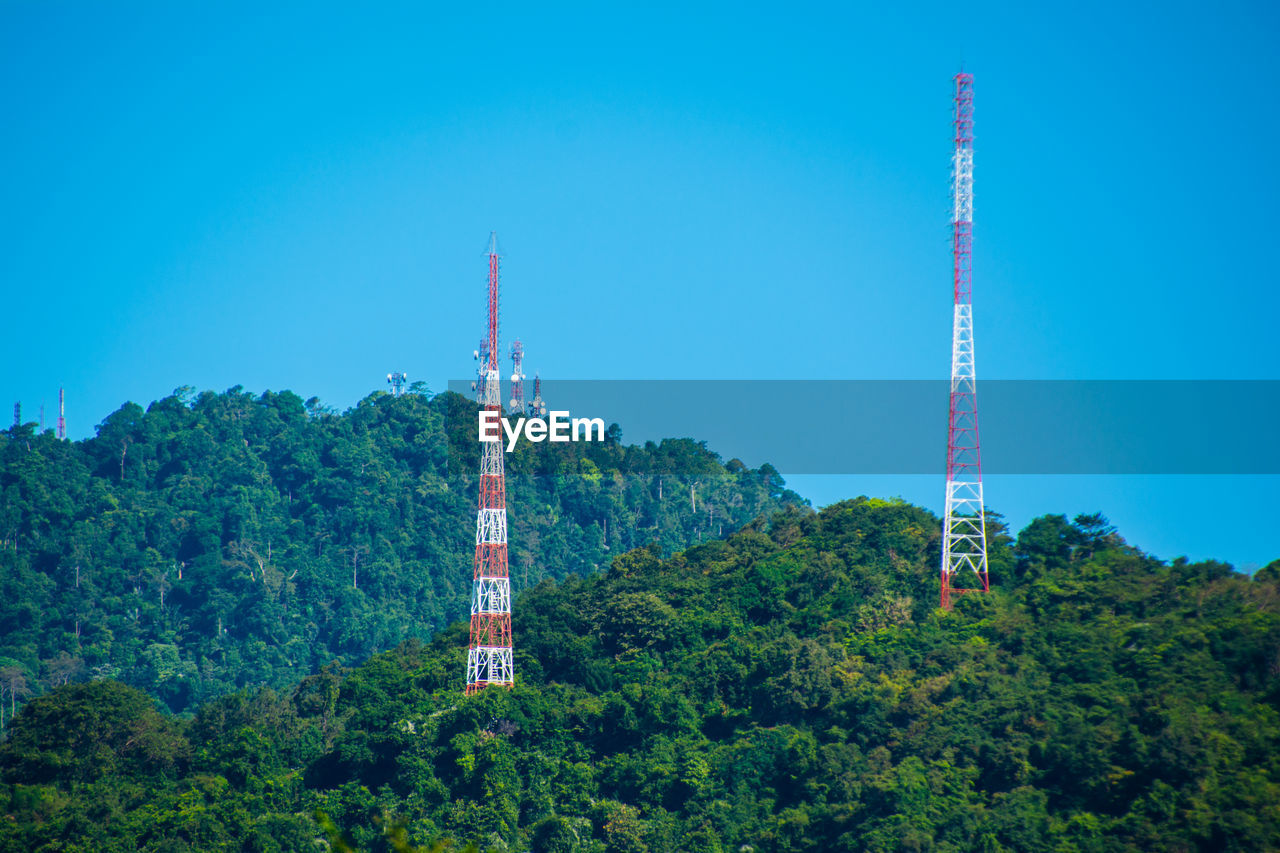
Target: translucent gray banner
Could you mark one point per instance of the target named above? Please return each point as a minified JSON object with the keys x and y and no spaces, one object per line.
{"x":900,"y":426}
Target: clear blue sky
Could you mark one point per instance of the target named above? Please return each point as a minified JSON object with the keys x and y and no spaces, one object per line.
{"x":300,"y":199}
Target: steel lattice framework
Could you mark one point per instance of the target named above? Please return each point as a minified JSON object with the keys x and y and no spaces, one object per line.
{"x":489,"y":657}
{"x":964,"y":533}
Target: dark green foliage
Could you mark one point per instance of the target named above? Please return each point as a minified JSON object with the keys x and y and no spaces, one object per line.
{"x":84,"y":732}
{"x":793,"y":688}
{"x":222,"y":541}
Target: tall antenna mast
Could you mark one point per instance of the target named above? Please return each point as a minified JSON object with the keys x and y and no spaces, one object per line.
{"x":489,"y":657}
{"x":397,"y":381}
{"x":517,"y":379}
{"x":964,"y":532}
{"x":62,"y":414}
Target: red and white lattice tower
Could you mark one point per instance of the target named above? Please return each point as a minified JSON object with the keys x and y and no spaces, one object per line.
{"x":517,"y":379}
{"x":62,"y":414}
{"x":964,"y":534}
{"x":489,"y":657}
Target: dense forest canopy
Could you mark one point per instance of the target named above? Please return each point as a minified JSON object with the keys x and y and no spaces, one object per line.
{"x":704,"y":664}
{"x":793,"y":688}
{"x":218,"y":541}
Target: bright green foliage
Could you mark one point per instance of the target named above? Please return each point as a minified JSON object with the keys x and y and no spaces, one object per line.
{"x":793,"y":688}
{"x":222,"y":541}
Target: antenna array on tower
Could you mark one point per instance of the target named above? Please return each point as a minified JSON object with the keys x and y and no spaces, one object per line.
{"x":481,"y":355}
{"x":517,"y":378}
{"x":964,"y":533}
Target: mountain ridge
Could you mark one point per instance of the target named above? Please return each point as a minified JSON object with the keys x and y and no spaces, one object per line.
{"x":217,"y":541}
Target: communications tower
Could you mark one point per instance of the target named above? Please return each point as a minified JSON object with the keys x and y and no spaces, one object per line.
{"x":62,"y":414}
{"x":396,"y":381}
{"x":537,"y":408}
{"x":481,"y":355}
{"x":489,"y":657}
{"x":517,"y":378}
{"x":964,"y":533}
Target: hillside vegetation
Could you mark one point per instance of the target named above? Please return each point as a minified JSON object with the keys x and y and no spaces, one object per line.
{"x":793,"y":688}
{"x":221,"y":541}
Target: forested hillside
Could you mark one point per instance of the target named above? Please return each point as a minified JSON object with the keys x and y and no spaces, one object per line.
{"x":219,"y":541}
{"x":793,"y":688}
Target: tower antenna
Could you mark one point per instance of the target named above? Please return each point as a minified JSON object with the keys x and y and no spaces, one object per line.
{"x":964,"y":532}
{"x":489,"y":656}
{"x":397,"y":382}
{"x":481,"y":355}
{"x":62,"y":414}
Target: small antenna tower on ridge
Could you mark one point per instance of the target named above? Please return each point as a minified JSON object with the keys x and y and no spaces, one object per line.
{"x":537,"y":408}
{"x":517,"y":378}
